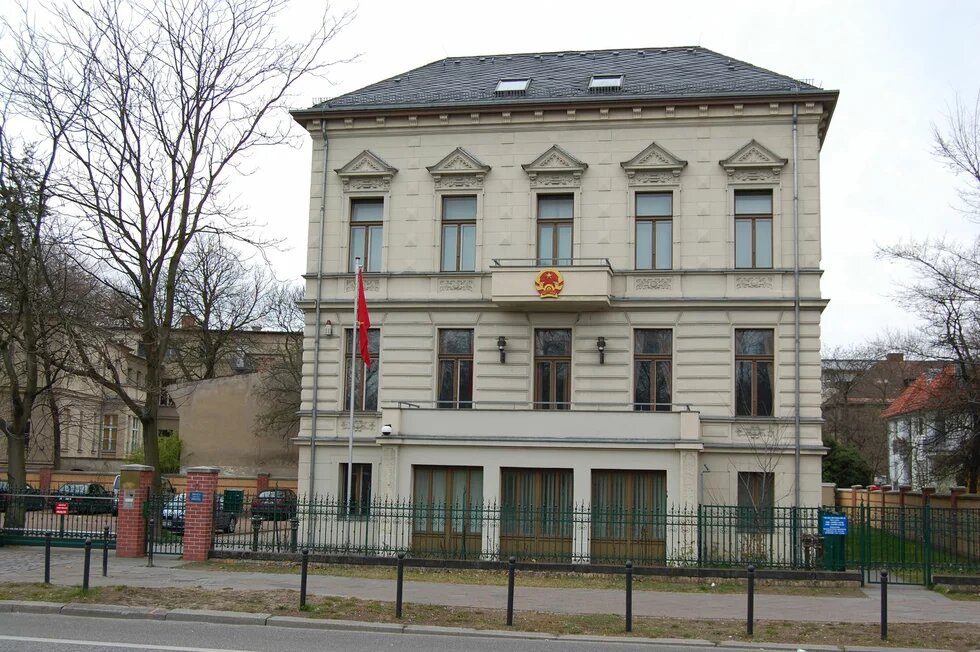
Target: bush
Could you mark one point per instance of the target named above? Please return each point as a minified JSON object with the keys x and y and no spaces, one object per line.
{"x":170,"y":448}
{"x":844,"y":466}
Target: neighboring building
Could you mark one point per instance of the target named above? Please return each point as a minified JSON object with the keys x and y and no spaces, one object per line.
{"x":98,"y":431}
{"x":856,"y":392}
{"x":925,"y":425}
{"x":581,"y":273}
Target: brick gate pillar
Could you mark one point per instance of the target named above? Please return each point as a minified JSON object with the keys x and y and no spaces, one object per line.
{"x":134,"y":487}
{"x":261,"y":482}
{"x":200,"y":501}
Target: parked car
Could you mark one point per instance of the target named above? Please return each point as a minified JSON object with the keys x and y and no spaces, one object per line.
{"x":29,"y":496}
{"x":173,"y":516}
{"x":274,"y":504}
{"x":83,"y":498}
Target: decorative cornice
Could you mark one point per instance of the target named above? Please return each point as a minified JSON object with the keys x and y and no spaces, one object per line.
{"x":555,"y":168}
{"x":459,"y":169}
{"x":753,"y":163}
{"x":654,"y":165}
{"x":366,"y":171}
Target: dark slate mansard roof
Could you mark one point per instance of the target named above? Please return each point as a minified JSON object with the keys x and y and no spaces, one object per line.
{"x":556,"y":77}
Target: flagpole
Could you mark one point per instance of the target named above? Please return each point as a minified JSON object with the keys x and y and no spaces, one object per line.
{"x":353,"y":378}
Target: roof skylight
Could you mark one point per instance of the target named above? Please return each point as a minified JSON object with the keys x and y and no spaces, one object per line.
{"x":512,"y":85}
{"x":605,"y":83}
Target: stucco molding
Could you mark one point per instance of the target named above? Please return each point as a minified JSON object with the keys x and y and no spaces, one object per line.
{"x":555,"y":168}
{"x":455,"y":285}
{"x":753,"y":282}
{"x":366,"y":171}
{"x":370,"y":285}
{"x":459,"y":169}
{"x":753,"y":163}
{"x":653,"y":283}
{"x":653,"y":166}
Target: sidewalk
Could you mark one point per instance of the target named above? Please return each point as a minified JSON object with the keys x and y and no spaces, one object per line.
{"x":906,"y":604}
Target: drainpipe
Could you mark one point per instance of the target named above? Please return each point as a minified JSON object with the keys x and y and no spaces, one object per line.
{"x":316,"y":310}
{"x":796,"y":297}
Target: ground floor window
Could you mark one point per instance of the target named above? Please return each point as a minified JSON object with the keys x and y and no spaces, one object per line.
{"x":756,"y":501}
{"x":536,"y":513}
{"x":360,"y":505}
{"x":447,"y":504}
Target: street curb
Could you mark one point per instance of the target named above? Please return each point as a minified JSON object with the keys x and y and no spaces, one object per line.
{"x":637,"y":640}
{"x":113,"y":611}
{"x":348,"y":625}
{"x":891,"y":649}
{"x":220,"y":617}
{"x":438,"y":630}
{"x":31,"y":607}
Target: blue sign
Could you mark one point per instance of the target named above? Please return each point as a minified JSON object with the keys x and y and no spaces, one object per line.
{"x":195,"y":496}
{"x":833,"y":524}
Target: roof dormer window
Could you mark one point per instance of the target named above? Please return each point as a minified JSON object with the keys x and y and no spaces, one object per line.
{"x":605,"y":83}
{"x":512,"y":86}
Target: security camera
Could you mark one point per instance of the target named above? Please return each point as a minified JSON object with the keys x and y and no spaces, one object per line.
{"x":386,"y":429}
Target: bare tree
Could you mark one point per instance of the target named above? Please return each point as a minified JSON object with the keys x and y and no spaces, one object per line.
{"x":153,"y":105}
{"x":281,"y":378}
{"x":219,"y":297}
{"x":957,"y":145}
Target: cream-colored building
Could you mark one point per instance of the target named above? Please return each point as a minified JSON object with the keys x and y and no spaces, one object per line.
{"x":593,"y":280}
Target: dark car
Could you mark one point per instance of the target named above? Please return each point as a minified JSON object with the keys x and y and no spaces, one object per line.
{"x":83,"y":498}
{"x":173,"y":516}
{"x":274,"y":504}
{"x":30,"y":497}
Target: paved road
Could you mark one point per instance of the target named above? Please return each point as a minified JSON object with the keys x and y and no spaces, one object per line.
{"x":906,"y":603}
{"x":35,"y":633}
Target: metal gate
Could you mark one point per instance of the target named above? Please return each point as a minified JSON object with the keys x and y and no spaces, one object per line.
{"x":164,"y":517}
{"x":912,"y":543}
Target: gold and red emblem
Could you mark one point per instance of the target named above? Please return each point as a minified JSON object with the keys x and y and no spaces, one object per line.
{"x":549,"y":283}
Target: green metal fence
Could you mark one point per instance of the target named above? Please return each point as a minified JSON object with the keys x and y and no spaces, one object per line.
{"x":28,"y":517}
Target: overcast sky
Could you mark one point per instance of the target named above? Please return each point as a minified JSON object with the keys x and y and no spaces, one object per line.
{"x":898,"y":66}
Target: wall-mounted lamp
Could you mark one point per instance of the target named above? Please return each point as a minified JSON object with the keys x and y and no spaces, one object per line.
{"x":502,"y":347}
{"x":328,"y":328}
{"x":386,"y":430}
{"x":600,"y":344}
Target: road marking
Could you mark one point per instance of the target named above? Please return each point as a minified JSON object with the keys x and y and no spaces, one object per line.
{"x":132,"y":646}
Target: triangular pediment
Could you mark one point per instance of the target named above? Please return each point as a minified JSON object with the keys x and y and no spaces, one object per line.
{"x":459,"y":161}
{"x":366,"y":171}
{"x":459,"y":169}
{"x":653,"y":165}
{"x":752,"y":155}
{"x":555,"y":167}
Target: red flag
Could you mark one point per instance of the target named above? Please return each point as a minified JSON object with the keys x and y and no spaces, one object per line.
{"x":363,"y":321}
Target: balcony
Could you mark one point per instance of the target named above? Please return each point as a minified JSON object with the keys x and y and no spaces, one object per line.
{"x":506,"y":423}
{"x":563,"y":284}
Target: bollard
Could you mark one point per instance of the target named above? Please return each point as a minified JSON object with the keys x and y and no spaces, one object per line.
{"x":629,"y":596}
{"x":884,"y":605}
{"x":47,"y":557}
{"x":750,"y":613}
{"x":512,"y":565}
{"x":256,"y":526}
{"x":293,"y":533}
{"x":302,"y":578}
{"x":399,"y":585}
{"x":149,"y":543}
{"x":88,"y":564}
{"x":105,"y":551}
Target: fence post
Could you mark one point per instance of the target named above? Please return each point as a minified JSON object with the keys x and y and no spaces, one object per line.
{"x":700,"y":538}
{"x":88,"y":563}
{"x":399,"y":585}
{"x":105,"y":551}
{"x":149,"y":542}
{"x":629,"y":596}
{"x":927,"y":544}
{"x":47,"y":557}
{"x":511,"y":567}
{"x":884,"y":605}
{"x":750,"y":611}
{"x":256,"y":526}
{"x":302,"y":578}
{"x":293,"y":533}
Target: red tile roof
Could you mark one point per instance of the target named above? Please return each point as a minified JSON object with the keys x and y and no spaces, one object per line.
{"x":926,"y":393}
